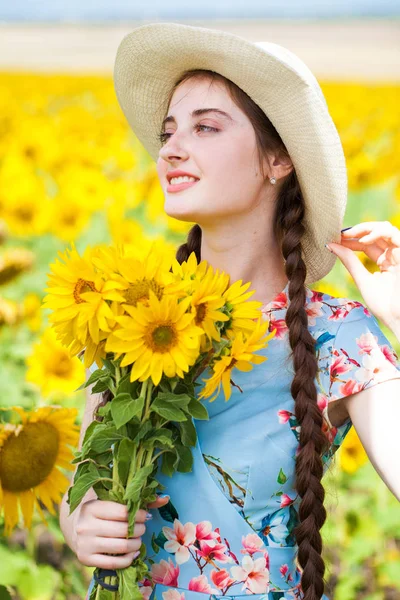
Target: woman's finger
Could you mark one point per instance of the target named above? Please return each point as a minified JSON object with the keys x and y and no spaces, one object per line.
{"x":373,"y":251}
{"x":362,"y":277}
{"x":373,"y":231}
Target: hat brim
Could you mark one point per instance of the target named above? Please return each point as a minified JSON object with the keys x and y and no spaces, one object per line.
{"x":152,"y":57}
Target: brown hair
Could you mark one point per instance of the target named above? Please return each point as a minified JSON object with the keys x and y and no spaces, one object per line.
{"x":289,"y":229}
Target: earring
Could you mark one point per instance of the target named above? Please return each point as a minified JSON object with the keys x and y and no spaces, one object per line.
{"x":273,"y":180}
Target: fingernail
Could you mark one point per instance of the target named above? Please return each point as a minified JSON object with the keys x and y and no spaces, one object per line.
{"x":163,"y":495}
{"x":326,"y":246}
{"x":136,"y":554}
{"x":341,"y":231}
{"x":148,"y":516}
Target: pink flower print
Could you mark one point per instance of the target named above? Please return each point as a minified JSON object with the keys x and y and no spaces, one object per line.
{"x":254,"y":574}
{"x":338,"y":314}
{"x":313,"y":310}
{"x":284,"y":569}
{"x":280,"y":326}
{"x":180,"y":539}
{"x":339,"y":367}
{"x":213,"y":551}
{"x":266,"y":556}
{"x":366,"y":342}
{"x":173,"y":595}
{"x":350,"y":387}
{"x":146,"y":589}
{"x":286,"y":500}
{"x":390,"y":354}
{"x":204,"y":531}
{"x":279,"y":302}
{"x":375,"y":367}
{"x":284,"y":416}
{"x":165,"y":573}
{"x":221,"y":579}
{"x":200,"y":584}
{"x":314,"y":295}
{"x":322,"y":401}
{"x":251,"y":543}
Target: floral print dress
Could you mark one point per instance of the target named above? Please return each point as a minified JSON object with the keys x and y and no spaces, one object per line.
{"x":228,"y":528}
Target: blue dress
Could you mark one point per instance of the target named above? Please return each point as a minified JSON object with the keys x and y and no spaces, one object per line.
{"x":228,"y":528}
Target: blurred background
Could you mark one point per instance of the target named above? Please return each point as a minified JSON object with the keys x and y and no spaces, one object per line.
{"x":72,"y":171}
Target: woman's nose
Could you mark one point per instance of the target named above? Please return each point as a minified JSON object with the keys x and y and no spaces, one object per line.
{"x":173,"y":149}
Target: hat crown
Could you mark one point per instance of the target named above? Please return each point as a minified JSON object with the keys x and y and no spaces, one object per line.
{"x":293,"y":62}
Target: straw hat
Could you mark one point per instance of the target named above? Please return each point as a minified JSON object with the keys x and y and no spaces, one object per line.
{"x":151,"y":58}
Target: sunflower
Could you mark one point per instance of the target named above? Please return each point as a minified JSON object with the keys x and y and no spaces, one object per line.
{"x":242,"y":311}
{"x":79,"y":297}
{"x":13,"y":262}
{"x":158,"y":338}
{"x":207,"y":298}
{"x":10,"y":312}
{"x":241,"y":356}
{"x":352,"y":455}
{"x":52,"y":368}
{"x":31,"y":313}
{"x":138,"y":273}
{"x":30,"y":455}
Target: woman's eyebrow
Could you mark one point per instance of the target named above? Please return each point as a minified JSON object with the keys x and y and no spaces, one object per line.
{"x":200,"y":111}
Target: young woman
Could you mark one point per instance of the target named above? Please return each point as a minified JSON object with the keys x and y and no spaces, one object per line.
{"x":246,"y":149}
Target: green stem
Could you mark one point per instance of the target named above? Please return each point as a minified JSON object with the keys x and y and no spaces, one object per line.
{"x":148,"y":400}
{"x":109,"y":479}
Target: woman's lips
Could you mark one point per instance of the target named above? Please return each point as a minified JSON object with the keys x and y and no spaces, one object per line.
{"x":180,"y":186}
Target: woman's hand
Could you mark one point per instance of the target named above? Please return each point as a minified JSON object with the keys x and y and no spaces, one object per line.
{"x":380,"y":240}
{"x":101,"y":530}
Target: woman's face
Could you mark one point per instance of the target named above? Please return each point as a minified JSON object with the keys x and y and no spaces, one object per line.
{"x":219,"y":151}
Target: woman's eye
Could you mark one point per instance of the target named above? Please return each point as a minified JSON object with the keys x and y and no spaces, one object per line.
{"x":163,"y":136}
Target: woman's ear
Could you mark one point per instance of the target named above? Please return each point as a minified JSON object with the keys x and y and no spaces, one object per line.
{"x":278,"y":164}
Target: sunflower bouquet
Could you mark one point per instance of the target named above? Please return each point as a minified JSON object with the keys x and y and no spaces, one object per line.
{"x":152,"y":326}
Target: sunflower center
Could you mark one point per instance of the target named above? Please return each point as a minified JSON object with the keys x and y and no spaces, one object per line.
{"x":25,"y":213}
{"x":28,"y":458}
{"x":62,"y":365}
{"x":200,"y":314}
{"x":81,"y":287}
{"x":139,"y":291}
{"x":162,"y":338}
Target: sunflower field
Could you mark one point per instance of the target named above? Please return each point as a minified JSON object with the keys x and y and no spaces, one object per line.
{"x":71,"y":170}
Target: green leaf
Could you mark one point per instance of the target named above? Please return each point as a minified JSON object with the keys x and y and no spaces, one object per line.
{"x":197,"y":410}
{"x":155,"y":546}
{"x":136,"y":484}
{"x":125,"y":452}
{"x":128,"y":587}
{"x":181,"y":399}
{"x":281,"y":477}
{"x":160,"y":539}
{"x":102,"y":441}
{"x":102,"y":385}
{"x":167,"y":465}
{"x":168,"y":410}
{"x":82,"y":485}
{"x":98,"y":374}
{"x":188,"y":433}
{"x":169,"y":513}
{"x":185,"y":459}
{"x":124,"y":408}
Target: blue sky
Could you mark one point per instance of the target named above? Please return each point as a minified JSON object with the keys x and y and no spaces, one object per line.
{"x":117,"y":10}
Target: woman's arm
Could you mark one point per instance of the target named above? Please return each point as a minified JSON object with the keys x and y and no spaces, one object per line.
{"x":375,"y":414}
{"x":67,"y":522}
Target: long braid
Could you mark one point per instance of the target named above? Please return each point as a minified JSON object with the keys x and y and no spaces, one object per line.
{"x":309,"y":467}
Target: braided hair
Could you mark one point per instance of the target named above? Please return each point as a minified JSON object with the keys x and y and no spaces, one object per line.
{"x":289,"y":228}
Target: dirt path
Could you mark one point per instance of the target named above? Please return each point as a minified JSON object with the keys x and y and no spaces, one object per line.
{"x":354,"y":49}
